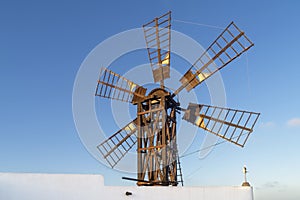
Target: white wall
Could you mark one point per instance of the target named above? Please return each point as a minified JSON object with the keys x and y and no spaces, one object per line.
{"x":26,"y":186}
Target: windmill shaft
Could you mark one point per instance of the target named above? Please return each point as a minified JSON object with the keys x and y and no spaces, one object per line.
{"x":159,"y":52}
{"x":224,"y":122}
{"x":121,"y":89}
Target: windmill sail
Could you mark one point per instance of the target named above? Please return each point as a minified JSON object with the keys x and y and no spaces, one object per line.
{"x":157,"y":35}
{"x":113,"y":86}
{"x":116,"y":146}
{"x":230,"y":44}
{"x":232,"y":125}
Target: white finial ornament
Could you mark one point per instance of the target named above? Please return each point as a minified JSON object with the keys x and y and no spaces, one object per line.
{"x":245,"y":183}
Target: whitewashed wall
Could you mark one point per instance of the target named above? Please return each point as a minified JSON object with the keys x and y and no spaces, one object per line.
{"x":27,"y":186}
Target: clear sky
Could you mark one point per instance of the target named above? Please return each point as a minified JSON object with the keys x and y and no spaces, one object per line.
{"x":42,"y":45}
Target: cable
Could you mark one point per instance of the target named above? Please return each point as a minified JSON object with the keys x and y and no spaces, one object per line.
{"x":193,"y":152}
{"x":248,"y":79}
{"x":198,"y":24}
{"x":193,"y":172}
{"x":218,"y":143}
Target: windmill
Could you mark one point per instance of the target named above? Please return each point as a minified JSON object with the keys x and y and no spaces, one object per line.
{"x":153,"y":131}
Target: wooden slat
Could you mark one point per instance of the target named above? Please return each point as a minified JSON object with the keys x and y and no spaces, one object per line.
{"x":154,"y":39}
{"x":231,"y":40}
{"x":123,"y":89}
{"x":240,"y":123}
{"x":113,"y":154}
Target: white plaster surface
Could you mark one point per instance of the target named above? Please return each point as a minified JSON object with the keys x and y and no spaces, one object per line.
{"x":29,"y":186}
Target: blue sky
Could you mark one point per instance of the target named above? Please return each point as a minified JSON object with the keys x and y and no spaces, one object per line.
{"x":42,"y":45}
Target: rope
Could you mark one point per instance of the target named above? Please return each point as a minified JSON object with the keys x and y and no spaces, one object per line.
{"x":198,"y":24}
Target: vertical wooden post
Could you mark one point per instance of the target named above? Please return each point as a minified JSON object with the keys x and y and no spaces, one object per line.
{"x":159,"y":54}
{"x":164,"y":141}
{"x":139,"y":143}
